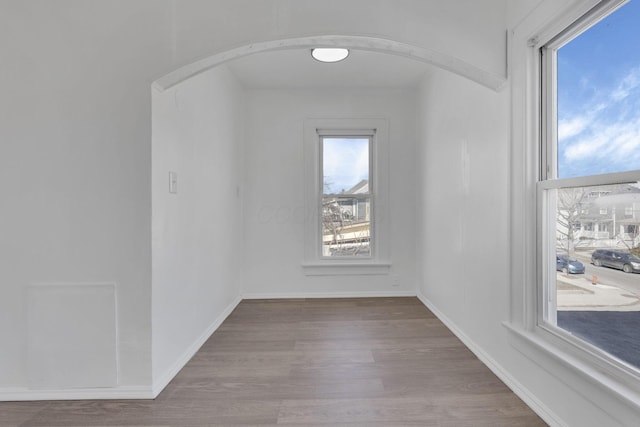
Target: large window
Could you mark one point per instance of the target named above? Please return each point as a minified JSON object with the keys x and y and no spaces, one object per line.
{"x":590,"y":177}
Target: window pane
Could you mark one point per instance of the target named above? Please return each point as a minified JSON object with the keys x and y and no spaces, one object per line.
{"x":346,"y":226}
{"x":345,"y":165}
{"x":597,"y":284}
{"x":598,"y":92}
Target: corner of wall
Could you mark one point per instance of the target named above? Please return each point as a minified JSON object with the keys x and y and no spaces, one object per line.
{"x":162,"y":380}
{"x":503,"y":374}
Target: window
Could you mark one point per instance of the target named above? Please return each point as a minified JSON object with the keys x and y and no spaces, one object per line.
{"x":628,"y":210}
{"x":346,"y":196}
{"x":346,"y":186}
{"x":590,"y":162}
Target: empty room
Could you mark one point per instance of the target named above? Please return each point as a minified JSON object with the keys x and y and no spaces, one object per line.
{"x":344,"y":212}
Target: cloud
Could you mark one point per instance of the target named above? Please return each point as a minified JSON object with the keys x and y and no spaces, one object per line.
{"x":615,"y":143}
{"x":627,"y":85}
{"x":603,"y":136}
{"x":572,"y":127}
{"x":345,"y":163}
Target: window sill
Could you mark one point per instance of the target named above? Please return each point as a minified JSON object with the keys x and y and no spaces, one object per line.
{"x":572,"y":367}
{"x":332,"y":268}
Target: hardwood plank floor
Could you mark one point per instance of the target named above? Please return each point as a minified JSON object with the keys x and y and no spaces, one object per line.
{"x":322,"y":362}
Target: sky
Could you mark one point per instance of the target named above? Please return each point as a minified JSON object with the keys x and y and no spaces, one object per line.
{"x":345,"y":162}
{"x":599,"y":97}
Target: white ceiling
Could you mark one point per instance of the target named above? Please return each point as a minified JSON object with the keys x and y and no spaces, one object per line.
{"x":295,"y":68}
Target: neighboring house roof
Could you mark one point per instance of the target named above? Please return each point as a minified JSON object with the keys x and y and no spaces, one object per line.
{"x":359,"y":188}
{"x":617,"y":199}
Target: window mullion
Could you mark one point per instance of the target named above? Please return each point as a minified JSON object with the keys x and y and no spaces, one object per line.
{"x":592,"y":180}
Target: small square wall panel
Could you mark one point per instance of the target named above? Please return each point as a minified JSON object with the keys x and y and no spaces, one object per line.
{"x":72,"y":335}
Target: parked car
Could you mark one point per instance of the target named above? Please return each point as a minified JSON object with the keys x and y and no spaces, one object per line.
{"x":616,"y":259}
{"x":569,"y":265}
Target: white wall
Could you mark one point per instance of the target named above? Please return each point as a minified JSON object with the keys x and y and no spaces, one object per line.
{"x":464,"y":203}
{"x":198,"y":134}
{"x":75,"y":135}
{"x":463,"y":211}
{"x":275,"y":200}
{"x":75,"y":144}
{"x":465,"y":250}
{"x":75,"y":158}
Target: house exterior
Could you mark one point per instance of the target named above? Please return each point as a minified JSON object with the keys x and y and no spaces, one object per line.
{"x":607,"y":216}
{"x":347,"y":222}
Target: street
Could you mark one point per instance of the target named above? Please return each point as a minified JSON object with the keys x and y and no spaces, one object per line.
{"x":608,"y":276}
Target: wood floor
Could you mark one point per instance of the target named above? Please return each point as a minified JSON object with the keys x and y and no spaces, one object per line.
{"x":330,"y":362}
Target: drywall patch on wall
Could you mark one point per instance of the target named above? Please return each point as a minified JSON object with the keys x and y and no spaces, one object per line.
{"x":72,"y":334}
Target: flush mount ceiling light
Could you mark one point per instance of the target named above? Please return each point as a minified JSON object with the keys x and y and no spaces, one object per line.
{"x":329,"y":54}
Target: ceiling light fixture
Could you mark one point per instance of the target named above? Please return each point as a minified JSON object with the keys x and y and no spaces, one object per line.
{"x":329,"y":54}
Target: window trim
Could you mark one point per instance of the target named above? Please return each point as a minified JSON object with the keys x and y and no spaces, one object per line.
{"x":572,"y":363}
{"x":378,"y":263}
{"x":548,"y":182}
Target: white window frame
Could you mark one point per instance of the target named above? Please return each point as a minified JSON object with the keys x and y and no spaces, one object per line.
{"x":368,"y":134}
{"x":378,"y":262}
{"x":571,"y":360}
{"x":549,"y":183}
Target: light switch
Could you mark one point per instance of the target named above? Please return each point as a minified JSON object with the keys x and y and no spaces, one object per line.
{"x":173,"y":182}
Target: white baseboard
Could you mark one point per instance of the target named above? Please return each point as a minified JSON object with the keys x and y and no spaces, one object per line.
{"x":121,"y":392}
{"x":304,"y":295}
{"x":521,"y":391}
{"x":162,"y":381}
